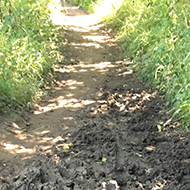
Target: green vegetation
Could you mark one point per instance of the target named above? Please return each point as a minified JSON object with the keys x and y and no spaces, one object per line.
{"x":86,"y":4}
{"x":27,"y":55}
{"x":156,"y":36}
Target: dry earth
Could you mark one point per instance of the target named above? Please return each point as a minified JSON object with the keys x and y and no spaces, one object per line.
{"x":97,"y":128}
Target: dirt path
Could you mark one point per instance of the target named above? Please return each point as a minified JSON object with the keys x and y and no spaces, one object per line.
{"x":97,"y":128}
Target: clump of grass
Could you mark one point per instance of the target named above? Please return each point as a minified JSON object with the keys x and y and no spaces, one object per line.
{"x":26,"y":54}
{"x":156,"y":37}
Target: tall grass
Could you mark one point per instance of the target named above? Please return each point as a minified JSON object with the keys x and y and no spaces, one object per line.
{"x":156,"y":35}
{"x":26,"y":55}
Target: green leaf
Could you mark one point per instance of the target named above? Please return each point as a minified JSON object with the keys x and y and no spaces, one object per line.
{"x":139,"y":155}
{"x":104,"y":159}
{"x":9,"y":20}
{"x":159,"y":128}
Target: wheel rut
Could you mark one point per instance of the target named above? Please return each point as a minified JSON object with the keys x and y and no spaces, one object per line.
{"x":97,"y":128}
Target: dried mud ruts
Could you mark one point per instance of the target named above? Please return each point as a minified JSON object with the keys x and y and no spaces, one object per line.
{"x":120,"y":145}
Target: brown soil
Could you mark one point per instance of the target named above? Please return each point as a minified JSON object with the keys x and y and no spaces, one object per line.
{"x":97,"y":128}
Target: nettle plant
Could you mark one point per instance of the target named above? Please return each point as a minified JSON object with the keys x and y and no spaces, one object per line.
{"x":26,"y":54}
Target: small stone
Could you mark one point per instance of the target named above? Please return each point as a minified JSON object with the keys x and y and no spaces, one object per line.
{"x":111,"y":185}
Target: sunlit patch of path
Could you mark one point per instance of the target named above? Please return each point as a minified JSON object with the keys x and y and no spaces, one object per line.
{"x":73,"y":16}
{"x":88,"y":56}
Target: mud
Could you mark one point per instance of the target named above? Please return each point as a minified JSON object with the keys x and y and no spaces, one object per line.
{"x":97,"y":129}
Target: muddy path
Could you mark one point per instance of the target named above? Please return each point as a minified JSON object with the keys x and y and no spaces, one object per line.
{"x":97,"y":128}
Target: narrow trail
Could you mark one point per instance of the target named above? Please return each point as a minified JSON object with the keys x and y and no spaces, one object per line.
{"x":88,"y":56}
{"x":97,"y":128}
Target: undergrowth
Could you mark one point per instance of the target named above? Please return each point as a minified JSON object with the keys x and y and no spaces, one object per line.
{"x":156,"y":35}
{"x":27,"y":53}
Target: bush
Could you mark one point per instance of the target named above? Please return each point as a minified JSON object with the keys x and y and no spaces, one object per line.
{"x":26,"y":55}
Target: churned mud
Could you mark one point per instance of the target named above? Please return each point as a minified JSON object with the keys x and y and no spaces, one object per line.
{"x":97,"y":128}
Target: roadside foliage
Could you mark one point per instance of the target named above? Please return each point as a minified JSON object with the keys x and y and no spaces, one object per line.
{"x":156,"y":37}
{"x":27,"y":53}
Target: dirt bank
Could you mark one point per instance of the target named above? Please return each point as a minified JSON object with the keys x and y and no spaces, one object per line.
{"x":97,"y":128}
